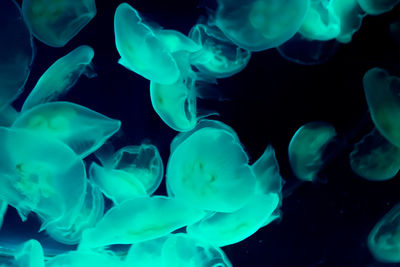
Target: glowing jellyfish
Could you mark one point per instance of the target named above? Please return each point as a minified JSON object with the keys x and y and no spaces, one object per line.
{"x":260,"y":24}
{"x":384,"y":238}
{"x":306,"y":149}
{"x":374,"y":158}
{"x":61,"y":76}
{"x":17,"y":53}
{"x":30,"y":254}
{"x":40,"y":174}
{"x":55,"y":23}
{"x":146,"y":253}
{"x":139,"y":219}
{"x":351,"y":15}
{"x":86,"y":258}
{"x":8,"y":115}
{"x":175,"y":41}
{"x":140,"y":49}
{"x":82,"y":129}
{"x":381,"y":91}
{"x":219,"y":57}
{"x":377,"y":7}
{"x":3,"y":210}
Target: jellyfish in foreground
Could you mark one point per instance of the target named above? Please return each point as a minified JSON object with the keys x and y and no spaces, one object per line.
{"x":16,"y":52}
{"x":82,"y":129}
{"x":61,"y":76}
{"x":86,"y":258}
{"x":55,"y":23}
{"x":384,"y":238}
{"x":377,"y":7}
{"x":306,"y":149}
{"x":258,"y":25}
{"x":30,"y":254}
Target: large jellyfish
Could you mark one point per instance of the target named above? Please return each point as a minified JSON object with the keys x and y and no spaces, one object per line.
{"x":384,"y":238}
{"x":61,"y":76}
{"x":55,"y":23}
{"x":30,"y":254}
{"x":377,"y":7}
{"x":260,"y":24}
{"x":16,"y":52}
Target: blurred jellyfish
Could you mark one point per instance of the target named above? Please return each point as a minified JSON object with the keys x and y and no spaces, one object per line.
{"x":377,"y":7}
{"x":219,"y":57}
{"x":61,"y":76}
{"x":306,"y":149}
{"x":384,"y":238}
{"x":374,"y":158}
{"x":17,"y":52}
{"x":8,"y":115}
{"x":30,"y":254}
{"x":82,"y":129}
{"x":350,"y":15}
{"x":86,"y":258}
{"x":395,"y":30}
{"x":55,"y":23}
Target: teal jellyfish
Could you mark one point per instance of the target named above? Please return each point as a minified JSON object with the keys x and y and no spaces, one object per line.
{"x":82,"y":129}
{"x":306,"y":149}
{"x":374,"y":158}
{"x":384,"y":238}
{"x":377,"y":7}
{"x":86,"y":258}
{"x":30,"y":254}
{"x":55,"y":23}
{"x":175,"y":41}
{"x":381,"y":91}
{"x":61,"y":76}
{"x":258,"y":25}
{"x":219,"y":57}
{"x":17,"y":52}
{"x":146,"y":253}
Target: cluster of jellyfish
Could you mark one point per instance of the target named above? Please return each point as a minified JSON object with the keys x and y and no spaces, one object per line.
{"x":215,"y":196}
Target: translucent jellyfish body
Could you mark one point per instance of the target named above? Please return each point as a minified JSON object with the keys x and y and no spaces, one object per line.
{"x":219,"y":57}
{"x":139,"y":219}
{"x":260,"y":24}
{"x":377,"y":7}
{"x":55,"y":23}
{"x":140,"y":49}
{"x":40,"y":174}
{"x":86,"y":258}
{"x":382,"y":94}
{"x":306,"y":149}
{"x":374,"y":158}
{"x":61,"y":76}
{"x":17,"y":53}
{"x":384,"y":238}
{"x":351,"y":15}
{"x":30,"y":254}
{"x":82,"y":129}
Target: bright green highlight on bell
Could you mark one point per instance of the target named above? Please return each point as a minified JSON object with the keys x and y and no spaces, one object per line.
{"x":30,"y":254}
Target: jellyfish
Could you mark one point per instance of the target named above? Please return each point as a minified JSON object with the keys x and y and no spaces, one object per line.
{"x":381,"y":91}
{"x":258,"y":25}
{"x":146,"y":253}
{"x":219,"y":57}
{"x":86,"y":258}
{"x":176,"y":41}
{"x":82,"y":129}
{"x":306,"y":149}
{"x":384,"y":238}
{"x":30,"y":254}
{"x":377,"y":7}
{"x":139,"y":219}
{"x":17,"y":52}
{"x":55,"y":23}
{"x":61,"y":76}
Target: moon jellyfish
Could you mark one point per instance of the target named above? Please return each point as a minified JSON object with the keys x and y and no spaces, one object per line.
{"x":176,"y":41}
{"x":219,"y":57}
{"x":30,"y":255}
{"x":258,"y":25}
{"x":384,"y":238}
{"x":61,"y":76}
{"x":140,"y":49}
{"x":139,"y":219}
{"x":82,"y":129}
{"x":17,"y":52}
{"x":86,"y":258}
{"x":55,"y":23}
{"x":377,"y":7}
{"x":382,"y":94}
{"x":306,"y":149}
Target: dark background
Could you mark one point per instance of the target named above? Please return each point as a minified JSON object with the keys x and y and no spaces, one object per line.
{"x":323,"y":224}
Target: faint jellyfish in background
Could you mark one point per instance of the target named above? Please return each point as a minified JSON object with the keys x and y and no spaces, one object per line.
{"x":55,"y":23}
{"x":61,"y":76}
{"x":218,"y":57}
{"x":16,"y":54}
{"x":395,"y":30}
{"x":258,"y":25}
{"x":30,"y":254}
{"x":377,"y":7}
{"x":384,"y":238}
{"x":307,"y":147}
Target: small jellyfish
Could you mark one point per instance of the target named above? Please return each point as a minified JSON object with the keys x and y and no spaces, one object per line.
{"x":61,"y":76}
{"x":140,"y":49}
{"x":306,"y":149}
{"x":219,"y":57}
{"x":374,"y":158}
{"x":30,"y":254}
{"x":82,"y":129}
{"x":258,"y":25}
{"x":86,"y":258}
{"x":384,"y":238}
{"x":377,"y":7}
{"x":55,"y":23}
{"x":17,"y":53}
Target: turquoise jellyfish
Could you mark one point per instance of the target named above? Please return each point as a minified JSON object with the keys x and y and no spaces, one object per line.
{"x":17,"y":52}
{"x":377,"y":7}
{"x":30,"y":254}
{"x":61,"y":76}
{"x":55,"y":23}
